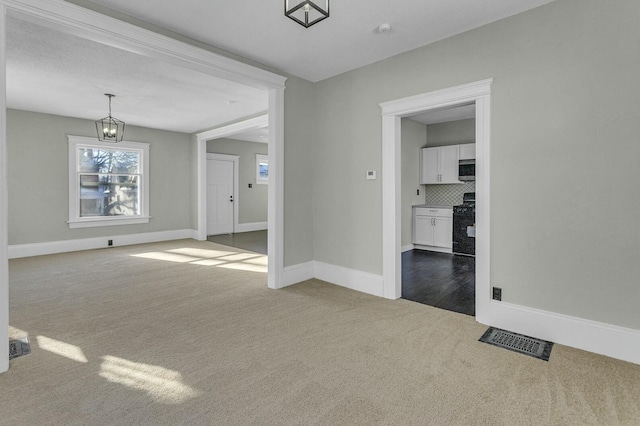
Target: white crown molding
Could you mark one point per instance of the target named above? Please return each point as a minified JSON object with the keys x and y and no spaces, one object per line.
{"x":234,"y":128}
{"x":440,"y":98}
{"x":76,"y":20}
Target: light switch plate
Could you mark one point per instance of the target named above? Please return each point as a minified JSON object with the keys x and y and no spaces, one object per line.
{"x":371,"y":174}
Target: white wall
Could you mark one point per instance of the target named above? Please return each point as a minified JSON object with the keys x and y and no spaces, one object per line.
{"x":564,"y":154}
{"x":39,"y":185}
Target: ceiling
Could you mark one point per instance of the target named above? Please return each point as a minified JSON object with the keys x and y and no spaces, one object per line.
{"x":53,"y":72}
{"x":348,"y":39}
{"x":57,"y":73}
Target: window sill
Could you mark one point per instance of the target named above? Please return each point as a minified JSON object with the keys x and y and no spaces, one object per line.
{"x":95,"y":222}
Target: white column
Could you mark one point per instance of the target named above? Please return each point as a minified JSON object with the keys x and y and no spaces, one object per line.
{"x":4,"y":262}
{"x":275,"y":210}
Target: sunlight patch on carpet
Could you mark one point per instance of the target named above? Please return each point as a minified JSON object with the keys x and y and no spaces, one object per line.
{"x":161,"y":384}
{"x":241,"y":261}
{"x":62,"y":349}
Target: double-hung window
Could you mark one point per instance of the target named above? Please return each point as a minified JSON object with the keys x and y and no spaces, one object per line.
{"x":108,"y":183}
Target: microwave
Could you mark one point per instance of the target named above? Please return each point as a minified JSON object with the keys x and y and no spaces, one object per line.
{"x":467,"y":170}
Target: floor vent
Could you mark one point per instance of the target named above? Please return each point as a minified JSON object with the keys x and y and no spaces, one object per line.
{"x":19,"y":347}
{"x":536,"y":348}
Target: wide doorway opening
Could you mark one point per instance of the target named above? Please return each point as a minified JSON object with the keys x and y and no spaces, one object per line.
{"x":438,"y":208}
{"x":478,"y":95}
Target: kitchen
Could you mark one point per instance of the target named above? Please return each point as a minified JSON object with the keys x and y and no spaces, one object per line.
{"x":438,"y":208}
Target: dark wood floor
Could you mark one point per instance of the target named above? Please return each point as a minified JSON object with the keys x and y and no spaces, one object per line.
{"x":446,"y":281}
{"x":253,"y":241}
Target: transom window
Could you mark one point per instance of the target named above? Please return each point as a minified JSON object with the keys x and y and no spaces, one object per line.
{"x":108,"y":183}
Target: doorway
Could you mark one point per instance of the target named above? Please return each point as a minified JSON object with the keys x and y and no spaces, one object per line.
{"x":221,"y":193}
{"x":90,"y":25}
{"x":438,"y":267}
{"x":392,"y":113}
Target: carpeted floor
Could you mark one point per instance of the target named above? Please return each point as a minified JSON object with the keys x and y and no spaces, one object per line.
{"x":187,"y":332}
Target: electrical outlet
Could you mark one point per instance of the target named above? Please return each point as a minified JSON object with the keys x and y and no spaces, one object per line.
{"x":110,"y":243}
{"x":497,"y":293}
{"x":250,"y":185}
{"x":417,"y":192}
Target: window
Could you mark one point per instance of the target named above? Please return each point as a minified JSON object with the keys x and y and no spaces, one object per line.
{"x":262,"y":169}
{"x":108,"y":183}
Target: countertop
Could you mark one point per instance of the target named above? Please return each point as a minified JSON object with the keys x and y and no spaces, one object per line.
{"x":433,"y":206}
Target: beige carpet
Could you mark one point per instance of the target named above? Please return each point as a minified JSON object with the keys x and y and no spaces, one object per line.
{"x":182,"y":333}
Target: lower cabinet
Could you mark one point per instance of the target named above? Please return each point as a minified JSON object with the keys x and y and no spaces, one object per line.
{"x":433,"y":227}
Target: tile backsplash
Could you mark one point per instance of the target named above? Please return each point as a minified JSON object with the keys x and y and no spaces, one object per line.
{"x":447,"y":195}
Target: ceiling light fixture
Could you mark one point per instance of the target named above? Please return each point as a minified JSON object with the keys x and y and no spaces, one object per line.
{"x":110,"y":129}
{"x":306,"y":12}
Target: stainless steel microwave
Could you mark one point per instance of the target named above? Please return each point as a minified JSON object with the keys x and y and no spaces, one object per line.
{"x":467,"y":170}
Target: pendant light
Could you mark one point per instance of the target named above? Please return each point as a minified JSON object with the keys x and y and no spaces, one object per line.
{"x":306,"y":12}
{"x":110,"y":129}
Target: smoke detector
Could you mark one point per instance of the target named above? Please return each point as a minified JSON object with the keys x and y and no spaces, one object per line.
{"x":384,"y":28}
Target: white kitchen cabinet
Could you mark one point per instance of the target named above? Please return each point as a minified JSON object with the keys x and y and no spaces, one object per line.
{"x":439,"y":165}
{"x":433,"y":228}
{"x":468,"y":151}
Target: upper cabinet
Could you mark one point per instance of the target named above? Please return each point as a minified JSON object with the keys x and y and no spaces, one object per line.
{"x":468,"y":151}
{"x":439,"y":165}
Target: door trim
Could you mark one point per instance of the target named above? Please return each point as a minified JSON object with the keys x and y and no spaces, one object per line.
{"x":392,"y":112}
{"x":236,"y":200}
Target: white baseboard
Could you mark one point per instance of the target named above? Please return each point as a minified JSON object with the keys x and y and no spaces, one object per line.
{"x":52,"y":247}
{"x":601,"y":338}
{"x":349,"y":278}
{"x":432,"y":248}
{"x":297,"y":273}
{"x":248,"y":227}
{"x":343,"y":277}
{"x":407,"y":248}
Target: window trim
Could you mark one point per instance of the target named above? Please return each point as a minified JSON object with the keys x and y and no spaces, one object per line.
{"x":75,"y":221}
{"x":264,"y":159}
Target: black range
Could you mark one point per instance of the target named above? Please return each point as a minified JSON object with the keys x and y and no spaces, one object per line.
{"x":464,"y":225}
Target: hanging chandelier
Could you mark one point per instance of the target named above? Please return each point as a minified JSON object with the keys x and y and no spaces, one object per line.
{"x":110,"y":129}
{"x":306,"y":12}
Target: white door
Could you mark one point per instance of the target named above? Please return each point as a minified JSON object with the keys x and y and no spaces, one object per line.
{"x":220,"y":202}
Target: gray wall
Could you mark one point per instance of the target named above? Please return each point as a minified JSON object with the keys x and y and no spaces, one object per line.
{"x":564,"y":154}
{"x":38,"y":178}
{"x":300,"y":171}
{"x":252,"y":202}
{"x":452,"y":132}
{"x":414,"y":137}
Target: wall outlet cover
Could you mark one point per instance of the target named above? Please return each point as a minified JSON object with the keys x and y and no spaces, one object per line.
{"x":371,"y":174}
{"x":497,"y":293}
